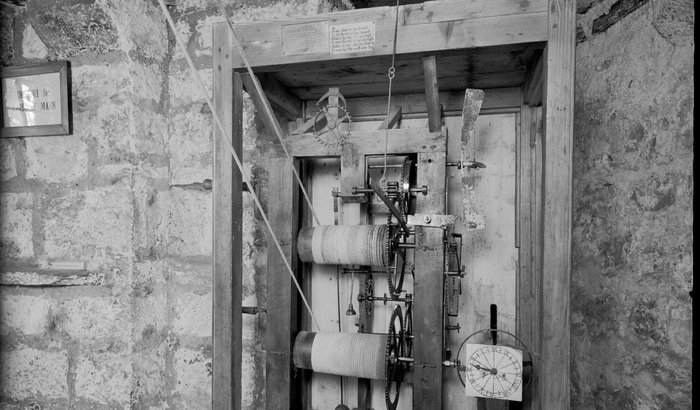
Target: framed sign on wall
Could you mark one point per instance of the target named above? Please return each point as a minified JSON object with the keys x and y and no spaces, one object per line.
{"x":36,"y":100}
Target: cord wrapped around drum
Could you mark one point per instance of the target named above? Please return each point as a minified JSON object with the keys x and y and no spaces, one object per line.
{"x":345,"y":245}
{"x":344,"y":354}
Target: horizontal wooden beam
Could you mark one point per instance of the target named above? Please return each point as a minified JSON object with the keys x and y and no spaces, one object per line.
{"x":495,"y":99}
{"x":400,"y":141}
{"x":281,"y":99}
{"x":425,"y":27}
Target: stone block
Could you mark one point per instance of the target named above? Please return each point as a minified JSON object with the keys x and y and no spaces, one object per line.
{"x":150,"y":306}
{"x":184,"y":91}
{"x":93,"y":226}
{"x":104,"y":378}
{"x":24,"y":314}
{"x":56,"y":159}
{"x":32,"y":46}
{"x":187,"y":227}
{"x":195,"y":271}
{"x":190,"y":146}
{"x":16,"y":225}
{"x":193,"y":315}
{"x":8,"y":166}
{"x":92,"y":319}
{"x":29,"y":373}
{"x":74,"y":27}
{"x":194,"y":377}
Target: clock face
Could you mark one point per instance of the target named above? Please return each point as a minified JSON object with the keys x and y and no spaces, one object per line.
{"x":494,"y":372}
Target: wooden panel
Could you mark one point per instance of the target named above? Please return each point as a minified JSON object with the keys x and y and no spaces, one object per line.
{"x":412,"y":86}
{"x":427,"y":318}
{"x":553,"y":388}
{"x":428,"y":286}
{"x":429,"y":26}
{"x":494,"y":98}
{"x":400,"y":142}
{"x":469,"y":63}
{"x":432,"y":93}
{"x":281,"y":295}
{"x":227,"y":232}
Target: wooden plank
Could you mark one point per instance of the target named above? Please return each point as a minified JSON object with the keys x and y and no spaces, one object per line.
{"x":432,"y":93}
{"x":532,"y":89}
{"x":284,"y":101}
{"x":472,"y":209}
{"x":468,"y":63}
{"x":430,"y":26}
{"x":428,"y":326}
{"x":400,"y":141}
{"x":402,"y":85}
{"x":553,"y":388}
{"x":227,"y":231}
{"x":282,"y":306}
{"x":431,"y":172}
{"x":375,"y":107}
{"x":392,"y":119}
{"x":537,"y":141}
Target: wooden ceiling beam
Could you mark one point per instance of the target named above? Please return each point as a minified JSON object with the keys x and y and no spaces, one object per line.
{"x":426,"y":27}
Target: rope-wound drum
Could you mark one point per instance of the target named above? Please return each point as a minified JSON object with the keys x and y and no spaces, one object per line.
{"x":345,"y":245}
{"x":343,"y":354}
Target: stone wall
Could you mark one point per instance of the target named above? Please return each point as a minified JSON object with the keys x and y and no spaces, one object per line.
{"x":106,"y":234}
{"x":633,"y":193}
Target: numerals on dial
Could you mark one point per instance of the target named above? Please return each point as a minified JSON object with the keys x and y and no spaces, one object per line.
{"x":494,"y":371}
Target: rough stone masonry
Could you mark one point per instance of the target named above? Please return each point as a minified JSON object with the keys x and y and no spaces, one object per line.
{"x":105,"y":235}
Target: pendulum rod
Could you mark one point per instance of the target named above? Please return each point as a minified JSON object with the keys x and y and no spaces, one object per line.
{"x":237,"y":160}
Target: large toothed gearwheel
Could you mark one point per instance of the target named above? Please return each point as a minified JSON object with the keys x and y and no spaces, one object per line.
{"x":394,"y":367}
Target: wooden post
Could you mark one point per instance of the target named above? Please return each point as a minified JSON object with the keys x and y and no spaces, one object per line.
{"x":432,"y":93}
{"x":227,"y":230}
{"x":428,"y":323}
{"x":529,"y":278}
{"x":281,"y":294}
{"x":553,"y":387}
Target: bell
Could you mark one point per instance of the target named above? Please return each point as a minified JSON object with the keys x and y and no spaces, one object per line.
{"x":342,"y":407}
{"x":351,"y":310}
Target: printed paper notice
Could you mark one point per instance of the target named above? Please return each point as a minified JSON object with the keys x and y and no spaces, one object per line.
{"x":352,"y":38}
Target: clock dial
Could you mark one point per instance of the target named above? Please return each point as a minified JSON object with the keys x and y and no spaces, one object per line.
{"x":494,"y":371}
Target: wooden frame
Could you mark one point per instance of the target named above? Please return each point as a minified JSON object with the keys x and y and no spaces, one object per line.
{"x":543,"y":101}
{"x":36,"y":110}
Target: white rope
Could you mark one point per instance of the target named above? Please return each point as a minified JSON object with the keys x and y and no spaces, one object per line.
{"x":244,"y":175}
{"x":258,"y":88}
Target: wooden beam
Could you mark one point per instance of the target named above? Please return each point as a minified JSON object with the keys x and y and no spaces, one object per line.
{"x":227,"y":231}
{"x":393,"y":118}
{"x":529,"y":279}
{"x":532,"y":89}
{"x":399,"y":141}
{"x":425,"y":27}
{"x":263,"y":105}
{"x":281,"y":295}
{"x":280,"y":98}
{"x":553,"y":388}
{"x":374,"y":108}
{"x":432,"y":93}
{"x":428,"y":323}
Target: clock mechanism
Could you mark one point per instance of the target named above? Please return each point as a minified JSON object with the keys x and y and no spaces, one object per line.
{"x":494,"y":371}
